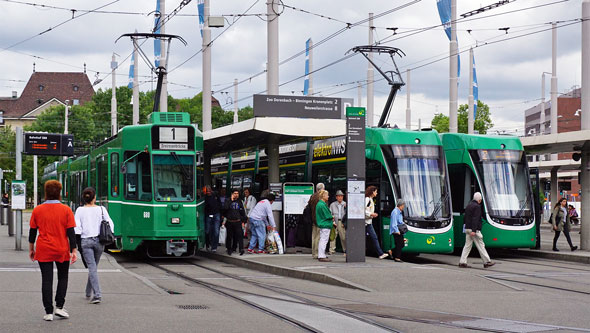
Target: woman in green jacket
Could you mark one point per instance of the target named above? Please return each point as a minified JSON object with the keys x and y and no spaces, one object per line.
{"x":560,"y":219}
{"x":325,"y":221}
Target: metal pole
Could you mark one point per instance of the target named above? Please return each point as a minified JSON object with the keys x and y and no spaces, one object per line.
{"x":453,"y":68}
{"x":408,"y":109}
{"x":370,"y":78}
{"x":470,"y":113}
{"x":585,"y":122}
{"x":360,"y":95}
{"x":35,"y":180}
{"x":113,"y":96}
{"x":554,"y":84}
{"x":66,"y":117}
{"x":310,"y":75}
{"x":419,"y":124}
{"x":163,"y":61}
{"x":272,"y":48}
{"x":542,"y":129}
{"x":135,"y":83}
{"x":18,"y":222}
{"x":207,"y":126}
{"x":235,"y":101}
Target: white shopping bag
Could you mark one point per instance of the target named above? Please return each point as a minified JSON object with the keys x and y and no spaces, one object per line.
{"x":222,"y":234}
{"x":278,"y":241}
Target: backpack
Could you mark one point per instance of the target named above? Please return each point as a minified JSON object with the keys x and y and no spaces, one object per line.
{"x":106,"y":236}
{"x":306,"y":216}
{"x":550,"y":218}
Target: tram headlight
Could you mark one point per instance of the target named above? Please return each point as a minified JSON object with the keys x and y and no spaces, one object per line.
{"x":175,"y":220}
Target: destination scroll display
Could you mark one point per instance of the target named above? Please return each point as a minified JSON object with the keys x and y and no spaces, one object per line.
{"x":173,"y":138}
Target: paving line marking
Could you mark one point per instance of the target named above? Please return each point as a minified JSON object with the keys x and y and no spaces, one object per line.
{"x":72,"y":270}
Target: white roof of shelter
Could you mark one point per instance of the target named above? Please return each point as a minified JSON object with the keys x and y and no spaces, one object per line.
{"x":256,"y":131}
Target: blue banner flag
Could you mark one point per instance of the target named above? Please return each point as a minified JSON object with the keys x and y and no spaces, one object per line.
{"x":130,"y":83}
{"x":157,"y":49}
{"x":306,"y":82}
{"x":444,"y":10}
{"x":475,"y":91}
{"x":201,"y":7}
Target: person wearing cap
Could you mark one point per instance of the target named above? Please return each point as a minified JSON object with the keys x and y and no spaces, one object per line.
{"x":395,"y":222}
{"x":473,"y":233}
{"x":338,"y":209}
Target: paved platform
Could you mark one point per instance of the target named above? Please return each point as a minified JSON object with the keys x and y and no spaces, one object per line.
{"x":337,"y":272}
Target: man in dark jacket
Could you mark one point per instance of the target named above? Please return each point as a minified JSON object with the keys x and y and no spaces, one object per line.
{"x":473,"y":233}
{"x":212,"y":219}
{"x":234,"y":212}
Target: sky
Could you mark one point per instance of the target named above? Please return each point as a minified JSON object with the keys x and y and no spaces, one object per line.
{"x":509,"y":65}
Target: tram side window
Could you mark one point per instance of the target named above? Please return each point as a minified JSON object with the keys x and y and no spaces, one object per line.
{"x":102,"y":178}
{"x":138,"y":177}
{"x":115,"y":174}
{"x":200,"y":175}
{"x":93,"y":172}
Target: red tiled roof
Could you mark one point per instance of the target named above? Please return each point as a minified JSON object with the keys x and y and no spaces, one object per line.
{"x":61,"y":86}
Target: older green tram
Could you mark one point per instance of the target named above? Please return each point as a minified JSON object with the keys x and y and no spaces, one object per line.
{"x":403,"y":164}
{"x":496,"y":167}
{"x":146,"y":177}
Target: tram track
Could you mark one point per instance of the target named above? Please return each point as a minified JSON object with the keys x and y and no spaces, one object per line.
{"x":348,"y":310}
{"x":493,"y":274}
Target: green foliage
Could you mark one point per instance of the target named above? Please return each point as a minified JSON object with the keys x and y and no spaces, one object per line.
{"x":482,"y":123}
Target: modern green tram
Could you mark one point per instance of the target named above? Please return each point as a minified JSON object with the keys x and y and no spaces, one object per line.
{"x":145,"y":177}
{"x":496,"y":166}
{"x":403,"y":164}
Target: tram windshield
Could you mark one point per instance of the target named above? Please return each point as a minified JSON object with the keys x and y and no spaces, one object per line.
{"x":419,"y":175}
{"x":504,"y":181}
{"x":174,"y":177}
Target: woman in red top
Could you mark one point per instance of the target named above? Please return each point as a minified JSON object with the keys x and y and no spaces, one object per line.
{"x":56,"y":243}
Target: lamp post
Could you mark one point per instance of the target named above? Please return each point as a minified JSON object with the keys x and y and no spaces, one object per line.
{"x":66,"y":117}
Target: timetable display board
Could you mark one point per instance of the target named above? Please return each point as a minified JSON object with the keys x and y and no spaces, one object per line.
{"x":173,"y":138}
{"x":49,"y":144}
{"x":18,"y":189}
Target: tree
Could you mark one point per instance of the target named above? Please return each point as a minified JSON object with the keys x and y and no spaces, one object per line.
{"x":482,"y":123}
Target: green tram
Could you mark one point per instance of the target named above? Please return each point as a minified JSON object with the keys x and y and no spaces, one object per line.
{"x":402,"y":163}
{"x":496,"y":166}
{"x":145,"y":177}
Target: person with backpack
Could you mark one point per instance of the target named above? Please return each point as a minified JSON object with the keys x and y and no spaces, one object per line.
{"x":561,"y":221}
{"x":88,"y":221}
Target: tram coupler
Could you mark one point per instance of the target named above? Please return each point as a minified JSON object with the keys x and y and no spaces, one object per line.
{"x":176,"y":248}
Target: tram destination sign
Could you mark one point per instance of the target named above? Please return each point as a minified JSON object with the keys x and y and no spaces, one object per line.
{"x":49,"y":144}
{"x":298,"y":106}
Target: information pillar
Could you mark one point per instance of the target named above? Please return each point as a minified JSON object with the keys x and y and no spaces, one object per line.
{"x":355,"y":176}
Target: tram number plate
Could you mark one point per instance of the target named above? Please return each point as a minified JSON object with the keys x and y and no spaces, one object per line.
{"x":173,"y":134}
{"x":173,"y":138}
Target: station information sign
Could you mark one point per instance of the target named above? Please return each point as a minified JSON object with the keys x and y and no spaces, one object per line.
{"x":49,"y":144}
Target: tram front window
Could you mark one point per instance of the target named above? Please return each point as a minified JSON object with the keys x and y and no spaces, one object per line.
{"x":420,"y":179}
{"x":174,"y":177}
{"x":504,"y":181}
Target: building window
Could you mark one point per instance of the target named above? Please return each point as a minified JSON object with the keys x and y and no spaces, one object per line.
{"x":76,"y":88}
{"x":1,"y":117}
{"x":76,"y":102}
{"x":41,"y":87}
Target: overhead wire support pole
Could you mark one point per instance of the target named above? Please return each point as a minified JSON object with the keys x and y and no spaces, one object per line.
{"x":164,"y":88}
{"x":453,"y":69}
{"x":394,"y":78}
{"x":370,"y":78}
{"x":471,"y":107}
{"x":206,"y":70}
{"x":554,"y":109}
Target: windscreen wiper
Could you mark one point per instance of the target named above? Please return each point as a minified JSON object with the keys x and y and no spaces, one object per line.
{"x":522,"y":207}
{"x":438,"y":206}
{"x":185,"y":173}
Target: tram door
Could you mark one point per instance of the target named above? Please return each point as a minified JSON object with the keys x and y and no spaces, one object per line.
{"x":538,"y":208}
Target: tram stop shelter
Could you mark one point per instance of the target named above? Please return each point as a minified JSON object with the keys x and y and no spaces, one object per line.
{"x":576,"y":141}
{"x":267,"y":132}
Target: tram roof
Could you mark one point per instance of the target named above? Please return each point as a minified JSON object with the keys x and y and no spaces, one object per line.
{"x":257,"y":131}
{"x":555,"y":143}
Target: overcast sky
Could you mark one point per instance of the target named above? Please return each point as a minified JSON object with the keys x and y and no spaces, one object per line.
{"x":509,"y":71}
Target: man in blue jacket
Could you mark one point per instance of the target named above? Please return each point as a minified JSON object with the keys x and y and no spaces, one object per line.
{"x":473,"y":233}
